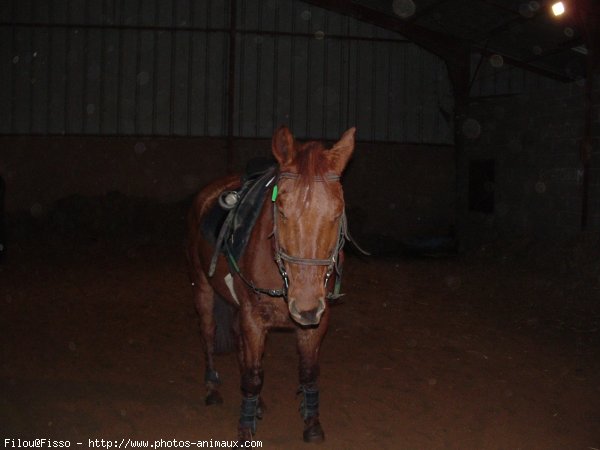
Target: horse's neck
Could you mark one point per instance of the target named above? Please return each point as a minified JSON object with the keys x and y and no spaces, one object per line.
{"x":264,"y":224}
{"x":258,"y":257}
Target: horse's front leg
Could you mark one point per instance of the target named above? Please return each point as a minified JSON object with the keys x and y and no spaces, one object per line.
{"x":252,"y":343}
{"x":309,"y":341}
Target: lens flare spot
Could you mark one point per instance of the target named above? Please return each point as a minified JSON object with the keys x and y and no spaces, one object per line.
{"x":496,"y":61}
{"x":404,"y":8}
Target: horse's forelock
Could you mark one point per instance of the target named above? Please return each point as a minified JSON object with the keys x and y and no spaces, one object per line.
{"x":310,"y":163}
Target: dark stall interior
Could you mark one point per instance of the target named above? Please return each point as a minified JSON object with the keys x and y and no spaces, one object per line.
{"x":474,"y":183}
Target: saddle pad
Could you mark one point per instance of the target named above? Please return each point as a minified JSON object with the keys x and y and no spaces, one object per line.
{"x":241,"y":219}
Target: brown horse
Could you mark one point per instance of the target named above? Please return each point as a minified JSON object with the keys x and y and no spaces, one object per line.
{"x":296,"y":243}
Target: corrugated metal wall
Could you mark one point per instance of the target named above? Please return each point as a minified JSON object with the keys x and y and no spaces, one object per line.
{"x":492,"y":77}
{"x":160,"y":68}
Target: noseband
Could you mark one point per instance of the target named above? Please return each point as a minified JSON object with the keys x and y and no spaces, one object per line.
{"x":280,"y":256}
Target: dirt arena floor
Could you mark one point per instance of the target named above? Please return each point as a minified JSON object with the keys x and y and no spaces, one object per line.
{"x":100,"y":341}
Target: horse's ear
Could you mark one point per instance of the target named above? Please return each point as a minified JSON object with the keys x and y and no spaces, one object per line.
{"x":283,"y":145}
{"x":342,"y":151}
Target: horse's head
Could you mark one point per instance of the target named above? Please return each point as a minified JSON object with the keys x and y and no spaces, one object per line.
{"x":308,"y":218}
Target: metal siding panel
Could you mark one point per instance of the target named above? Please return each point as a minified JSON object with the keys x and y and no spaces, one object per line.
{"x":335,"y":24}
{"x":22,"y":81}
{"x":129,"y":12}
{"x":381,"y":91}
{"x":318,"y":20}
{"x":301,"y":14}
{"x":217,"y":87}
{"x":163,"y":84}
{"x":197,"y":85}
{"x":503,"y":81}
{"x":22,"y":10}
{"x":247,"y":86}
{"x":411,"y":98}
{"x":109,"y":100}
{"x":74,"y":82}
{"x":442,"y":102}
{"x":39,"y":80}
{"x":268,"y":17}
{"x":219,"y":13}
{"x":58,"y":11}
{"x":473,"y":60}
{"x":364,"y":29}
{"x":268,"y":89}
{"x":165,"y":16}
{"x":201,"y":13}
{"x":6,"y":11}
{"x":299,"y":88}
{"x":93,"y":72}
{"x":333,"y":90}
{"x":285,"y":15}
{"x":392,"y":111}
{"x":364,"y":114}
{"x":147,"y":12}
{"x":316,"y":88}
{"x":248,"y":14}
{"x":57,"y":81}
{"x":180,"y":91}
{"x":40,"y":10}
{"x":516,"y":81}
{"x":145,"y":83}
{"x":76,"y":11}
{"x":127,"y":99}
{"x":283,"y":76}
{"x":94,"y":14}
{"x":182,"y":14}
{"x":352,"y":87}
{"x":6,"y":78}
{"x":487,"y":78}
{"x":428,"y":98}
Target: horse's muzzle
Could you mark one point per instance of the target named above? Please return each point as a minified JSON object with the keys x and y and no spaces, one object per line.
{"x":308,"y":317}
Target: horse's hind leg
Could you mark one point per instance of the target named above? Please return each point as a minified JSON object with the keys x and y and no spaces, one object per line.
{"x":204,"y":299}
{"x":252,"y":344}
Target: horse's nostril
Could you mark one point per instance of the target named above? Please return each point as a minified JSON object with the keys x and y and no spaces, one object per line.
{"x":309,"y":317}
{"x":293,"y":309}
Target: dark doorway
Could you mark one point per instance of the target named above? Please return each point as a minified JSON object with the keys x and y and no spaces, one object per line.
{"x":481,"y":186}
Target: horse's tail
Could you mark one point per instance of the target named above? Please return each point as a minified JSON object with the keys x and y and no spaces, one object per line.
{"x":225,"y":315}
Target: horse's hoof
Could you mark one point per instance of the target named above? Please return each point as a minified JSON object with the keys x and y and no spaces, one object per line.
{"x":213,"y":398}
{"x":313,"y":433}
{"x":244,"y":435}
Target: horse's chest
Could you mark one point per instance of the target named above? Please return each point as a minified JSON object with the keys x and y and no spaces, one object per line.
{"x":274,"y":313}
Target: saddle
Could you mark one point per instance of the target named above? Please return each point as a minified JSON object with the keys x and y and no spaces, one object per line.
{"x":235,"y":214}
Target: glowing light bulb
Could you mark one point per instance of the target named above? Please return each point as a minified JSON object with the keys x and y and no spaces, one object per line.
{"x":558,"y":8}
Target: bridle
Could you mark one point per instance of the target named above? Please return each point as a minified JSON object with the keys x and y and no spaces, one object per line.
{"x":332,"y":262}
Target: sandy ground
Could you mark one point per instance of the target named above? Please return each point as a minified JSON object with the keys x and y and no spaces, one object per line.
{"x":100,"y":341}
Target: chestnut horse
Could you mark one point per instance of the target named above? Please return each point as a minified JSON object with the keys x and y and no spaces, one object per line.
{"x":296,"y":245}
